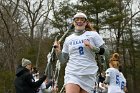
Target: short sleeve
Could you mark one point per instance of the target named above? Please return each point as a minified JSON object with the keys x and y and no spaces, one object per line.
{"x":65,"y":46}
{"x":98,"y":41}
{"x":108,"y":72}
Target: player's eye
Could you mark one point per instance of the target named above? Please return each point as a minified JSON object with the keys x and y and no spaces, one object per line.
{"x":80,"y":19}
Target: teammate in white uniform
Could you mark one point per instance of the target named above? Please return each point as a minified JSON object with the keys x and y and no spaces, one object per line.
{"x":113,"y":75}
{"x":79,"y":52}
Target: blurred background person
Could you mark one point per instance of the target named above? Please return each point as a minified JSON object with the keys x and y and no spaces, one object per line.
{"x":24,"y":81}
{"x":113,"y":75}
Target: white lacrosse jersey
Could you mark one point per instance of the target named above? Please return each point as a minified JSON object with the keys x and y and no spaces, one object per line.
{"x":122,"y":82}
{"x":81,"y":59}
{"x":114,"y":84}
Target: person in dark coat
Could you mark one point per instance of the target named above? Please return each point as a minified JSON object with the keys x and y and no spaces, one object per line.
{"x":24,"y":81}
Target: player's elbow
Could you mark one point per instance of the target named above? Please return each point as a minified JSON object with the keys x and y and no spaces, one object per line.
{"x":102,"y":51}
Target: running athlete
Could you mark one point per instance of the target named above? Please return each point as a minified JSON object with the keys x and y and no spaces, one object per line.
{"x":79,"y":52}
{"x":113,"y":75}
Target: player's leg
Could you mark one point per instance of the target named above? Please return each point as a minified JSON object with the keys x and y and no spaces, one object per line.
{"x":72,"y":88}
{"x":83,"y":91}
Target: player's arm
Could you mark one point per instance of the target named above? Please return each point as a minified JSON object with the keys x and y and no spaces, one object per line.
{"x":107,"y":79}
{"x":100,"y":47}
{"x":103,"y":50}
{"x":63,"y":57}
{"x":93,"y":48}
{"x":99,"y":50}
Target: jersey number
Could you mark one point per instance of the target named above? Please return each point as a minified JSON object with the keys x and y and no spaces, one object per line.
{"x":117,"y":80}
{"x":122,"y":85}
{"x":81,"y":50}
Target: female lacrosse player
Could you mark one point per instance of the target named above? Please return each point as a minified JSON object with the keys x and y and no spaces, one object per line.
{"x":113,"y":75}
{"x":79,"y":51}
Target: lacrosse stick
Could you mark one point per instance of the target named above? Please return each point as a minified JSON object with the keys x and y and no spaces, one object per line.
{"x":49,"y":68}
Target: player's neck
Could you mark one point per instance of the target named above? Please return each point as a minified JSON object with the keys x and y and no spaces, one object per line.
{"x":79,"y":32}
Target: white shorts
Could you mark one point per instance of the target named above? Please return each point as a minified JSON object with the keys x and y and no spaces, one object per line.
{"x":86,"y":82}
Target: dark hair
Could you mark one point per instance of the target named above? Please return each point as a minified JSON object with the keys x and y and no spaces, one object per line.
{"x":120,"y":68}
{"x":34,"y":70}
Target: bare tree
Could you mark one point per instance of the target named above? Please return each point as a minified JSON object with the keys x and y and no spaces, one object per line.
{"x":35,"y":14}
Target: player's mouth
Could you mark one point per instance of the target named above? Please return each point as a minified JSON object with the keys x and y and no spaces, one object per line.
{"x":79,"y":23}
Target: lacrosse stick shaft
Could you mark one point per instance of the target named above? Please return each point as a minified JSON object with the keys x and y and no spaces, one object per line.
{"x":50,"y":57}
{"x":63,"y":36}
{"x":62,"y":89}
{"x":52,"y":51}
{"x":71,"y":27}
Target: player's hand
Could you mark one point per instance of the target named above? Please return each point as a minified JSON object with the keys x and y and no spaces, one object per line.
{"x":87,"y":44}
{"x":56,"y":45}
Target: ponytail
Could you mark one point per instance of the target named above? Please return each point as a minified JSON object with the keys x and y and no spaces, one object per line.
{"x":114,"y":60}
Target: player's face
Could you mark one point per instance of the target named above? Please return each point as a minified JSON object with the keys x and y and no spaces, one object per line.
{"x":80,"y":23}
